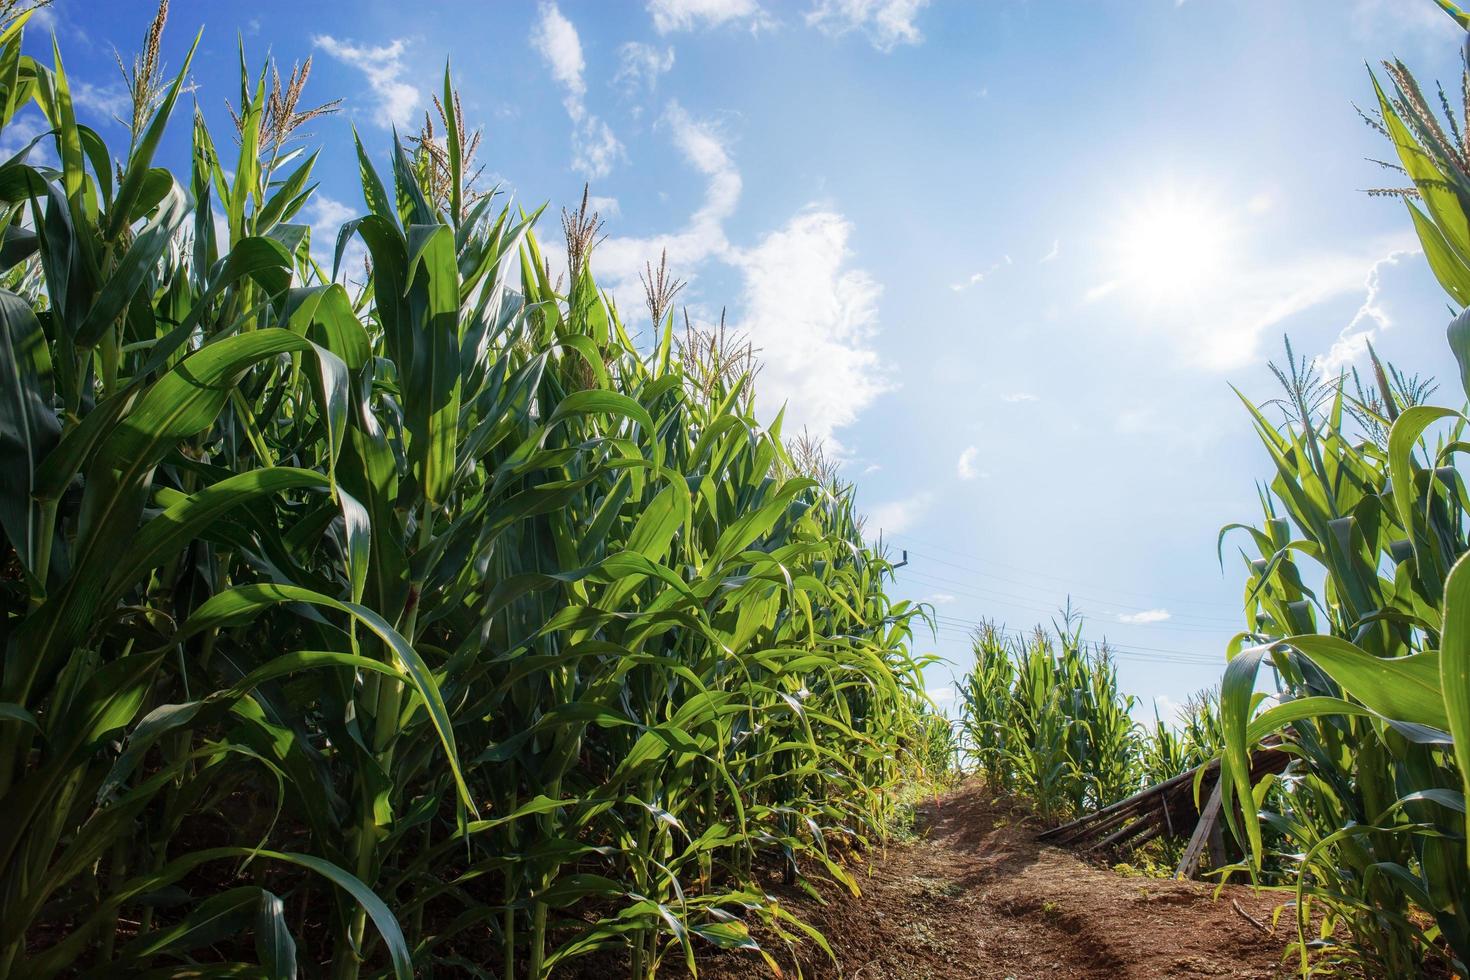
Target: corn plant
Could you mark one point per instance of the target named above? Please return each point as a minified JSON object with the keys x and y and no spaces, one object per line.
{"x":1045,"y":718}
{"x":417,"y":624}
{"x":1170,"y":749}
{"x":1355,"y":593}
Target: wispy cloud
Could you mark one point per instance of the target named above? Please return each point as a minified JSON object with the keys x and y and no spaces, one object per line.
{"x":25,"y":126}
{"x":897,"y":516}
{"x":1221,"y":326}
{"x":686,"y":15}
{"x":555,"y":38}
{"x":1259,"y":301}
{"x":810,"y":313}
{"x":981,"y":276}
{"x":1376,"y":20}
{"x":1101,"y":290}
{"x":939,"y":599}
{"x":606,"y":207}
{"x":110,"y":102}
{"x":885,"y":23}
{"x":1144,"y":617}
{"x":326,"y":216}
{"x":594,"y":147}
{"x":1370,"y":320}
{"x":967,"y":466}
{"x":640,"y":65}
{"x":1017,"y":397}
{"x":395,"y":102}
{"x":621,"y":258}
{"x":1056,"y":249}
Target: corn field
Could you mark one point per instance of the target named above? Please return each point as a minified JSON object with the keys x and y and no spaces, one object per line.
{"x":410,"y":620}
{"x":1043,"y":717}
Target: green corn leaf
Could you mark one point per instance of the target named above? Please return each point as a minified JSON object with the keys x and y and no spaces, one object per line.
{"x":28,"y":427}
{"x":136,"y":265}
{"x":1455,"y":667}
{"x":1401,"y":688}
{"x":1455,"y":11}
{"x":273,"y":941}
{"x":244,"y":602}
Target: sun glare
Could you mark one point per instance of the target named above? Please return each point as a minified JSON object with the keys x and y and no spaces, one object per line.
{"x":1172,"y":247}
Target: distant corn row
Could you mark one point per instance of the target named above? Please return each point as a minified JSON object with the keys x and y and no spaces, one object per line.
{"x":1043,"y":717}
{"x":1358,"y":599}
{"x":428,"y":625}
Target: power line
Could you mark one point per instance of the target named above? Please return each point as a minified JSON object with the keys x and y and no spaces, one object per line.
{"x":1077,"y":595}
{"x":1127,"y":656}
{"x":950,"y":586}
{"x":1014,"y":570}
{"x":1031,"y":603}
{"x":965,"y":628}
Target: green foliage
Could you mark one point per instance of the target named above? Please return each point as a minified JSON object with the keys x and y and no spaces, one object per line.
{"x":400,"y":627}
{"x":1043,"y":717}
{"x":1355,"y":594}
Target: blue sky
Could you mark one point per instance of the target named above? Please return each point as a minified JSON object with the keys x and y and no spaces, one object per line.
{"x":1008,"y":256}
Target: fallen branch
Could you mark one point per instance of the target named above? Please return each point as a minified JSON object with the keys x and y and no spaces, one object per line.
{"x":1250,"y":918}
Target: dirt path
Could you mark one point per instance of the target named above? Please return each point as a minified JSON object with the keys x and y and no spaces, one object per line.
{"x":976,"y":896}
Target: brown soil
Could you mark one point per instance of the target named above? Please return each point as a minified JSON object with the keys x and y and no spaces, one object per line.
{"x":977,"y":896}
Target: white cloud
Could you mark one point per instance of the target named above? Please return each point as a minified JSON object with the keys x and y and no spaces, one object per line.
{"x":326,"y":215}
{"x":606,"y":207}
{"x":1227,"y":313}
{"x":555,"y":39}
{"x":686,"y":15}
{"x":397,"y":102}
{"x":886,"y":23}
{"x":594,"y":147}
{"x":639,"y":66}
{"x":939,"y":599}
{"x":1376,"y":20}
{"x":112,"y":102}
{"x":24,"y":126}
{"x":941,"y":695}
{"x":808,"y":312}
{"x":1056,"y":249}
{"x":982,"y":275}
{"x":620,"y":259}
{"x":1016,"y":397}
{"x":1370,"y":319}
{"x":1259,"y":300}
{"x":965,"y":466}
{"x":897,"y":516}
{"x":813,"y":318}
{"x":1144,"y":617}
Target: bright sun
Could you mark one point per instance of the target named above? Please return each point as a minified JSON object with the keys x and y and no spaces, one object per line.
{"x":1172,"y":247}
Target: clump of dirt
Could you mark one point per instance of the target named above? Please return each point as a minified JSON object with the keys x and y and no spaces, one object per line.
{"x":976,"y":896}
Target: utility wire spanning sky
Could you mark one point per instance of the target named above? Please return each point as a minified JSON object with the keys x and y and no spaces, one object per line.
{"x":1007,"y":256}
